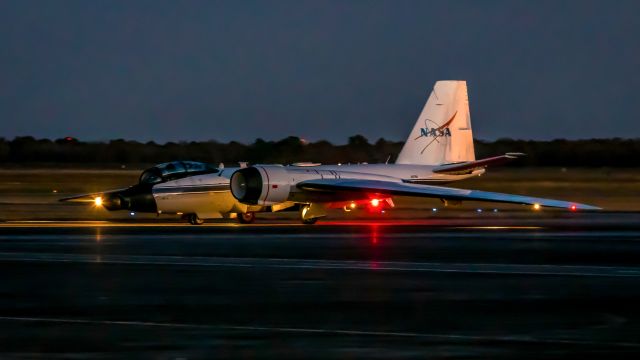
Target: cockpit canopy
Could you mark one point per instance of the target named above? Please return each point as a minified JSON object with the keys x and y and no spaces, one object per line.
{"x":175,"y":170}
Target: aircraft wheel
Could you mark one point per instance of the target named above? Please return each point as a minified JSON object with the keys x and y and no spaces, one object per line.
{"x":195,"y":220}
{"x":309,"y":221}
{"x":246,"y":218}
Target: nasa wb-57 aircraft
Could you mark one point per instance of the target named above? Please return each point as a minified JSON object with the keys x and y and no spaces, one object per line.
{"x":439,"y":150}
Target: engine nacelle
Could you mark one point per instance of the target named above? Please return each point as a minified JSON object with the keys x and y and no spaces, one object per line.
{"x":261,"y":185}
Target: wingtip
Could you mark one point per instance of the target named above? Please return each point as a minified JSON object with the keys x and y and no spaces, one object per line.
{"x":515,"y":155}
{"x":575,"y":207}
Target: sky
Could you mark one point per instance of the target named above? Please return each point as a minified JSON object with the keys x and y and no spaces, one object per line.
{"x":240,"y":70}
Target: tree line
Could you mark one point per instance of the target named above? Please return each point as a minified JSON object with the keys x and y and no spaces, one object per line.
{"x":28,"y":150}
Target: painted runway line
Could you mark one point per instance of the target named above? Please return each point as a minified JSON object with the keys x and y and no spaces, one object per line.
{"x":350,"y":332}
{"x":464,"y":268}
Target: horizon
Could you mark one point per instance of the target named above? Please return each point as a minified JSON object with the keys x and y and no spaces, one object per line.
{"x":302,"y":140}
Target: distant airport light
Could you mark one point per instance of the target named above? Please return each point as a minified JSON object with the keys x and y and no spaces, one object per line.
{"x":495,"y":210}
{"x":98,"y":201}
{"x":132,"y":213}
{"x":375,"y":202}
{"x":434,"y":209}
{"x":536,"y":207}
{"x":352,"y":205}
{"x":479,"y":210}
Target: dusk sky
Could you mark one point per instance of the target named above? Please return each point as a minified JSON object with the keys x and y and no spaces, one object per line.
{"x":239,"y":70}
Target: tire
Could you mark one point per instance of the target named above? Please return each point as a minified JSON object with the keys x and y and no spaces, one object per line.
{"x":195,"y":220}
{"x":246,"y":218}
{"x":310,"y":221}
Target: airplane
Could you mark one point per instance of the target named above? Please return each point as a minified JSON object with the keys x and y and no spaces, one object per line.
{"x":438,"y":150}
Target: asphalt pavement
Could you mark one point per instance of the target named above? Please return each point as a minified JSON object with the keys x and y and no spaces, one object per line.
{"x":446,"y":288}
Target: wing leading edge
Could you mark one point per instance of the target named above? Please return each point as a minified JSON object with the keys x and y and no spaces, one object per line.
{"x":441,"y":192}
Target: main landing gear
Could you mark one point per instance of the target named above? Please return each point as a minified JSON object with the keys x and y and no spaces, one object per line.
{"x":310,"y":221}
{"x":246,"y":218}
{"x":310,"y":213}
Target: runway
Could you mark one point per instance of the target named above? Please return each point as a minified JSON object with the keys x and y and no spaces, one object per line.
{"x":451,"y":288}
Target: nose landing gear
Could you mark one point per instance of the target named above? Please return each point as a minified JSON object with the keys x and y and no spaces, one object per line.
{"x":193,"y":219}
{"x":246,"y":218}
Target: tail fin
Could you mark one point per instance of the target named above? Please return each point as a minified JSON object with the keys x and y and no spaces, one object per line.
{"x":442,"y":134}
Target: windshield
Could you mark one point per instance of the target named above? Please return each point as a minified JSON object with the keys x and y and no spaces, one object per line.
{"x":175,"y":170}
{"x":150,"y":176}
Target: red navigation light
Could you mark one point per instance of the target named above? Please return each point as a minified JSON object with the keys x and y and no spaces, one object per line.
{"x":574,"y":208}
{"x":375,"y":203}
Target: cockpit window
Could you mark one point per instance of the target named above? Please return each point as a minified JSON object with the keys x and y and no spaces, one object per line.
{"x":150,"y":176}
{"x":175,"y":170}
{"x":192,"y":166}
{"x":171,"y":168}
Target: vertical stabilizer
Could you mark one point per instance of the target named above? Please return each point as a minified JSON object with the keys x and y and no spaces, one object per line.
{"x":442,"y":134}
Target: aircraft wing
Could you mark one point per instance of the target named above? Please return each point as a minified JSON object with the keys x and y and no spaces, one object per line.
{"x":468,"y":166}
{"x":90,"y":197}
{"x":440,"y":192}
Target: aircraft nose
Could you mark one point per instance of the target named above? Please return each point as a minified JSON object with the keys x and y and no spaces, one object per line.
{"x":138,"y":198}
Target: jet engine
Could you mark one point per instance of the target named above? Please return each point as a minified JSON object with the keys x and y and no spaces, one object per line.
{"x":261,"y":185}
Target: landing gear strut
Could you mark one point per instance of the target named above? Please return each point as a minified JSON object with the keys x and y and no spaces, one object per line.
{"x":194,"y":219}
{"x":246,"y":218}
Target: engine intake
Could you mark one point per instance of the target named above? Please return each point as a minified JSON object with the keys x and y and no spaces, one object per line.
{"x":246,"y":185}
{"x":261,"y":185}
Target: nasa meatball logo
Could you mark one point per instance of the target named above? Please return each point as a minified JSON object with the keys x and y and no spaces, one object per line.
{"x":435,"y":132}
